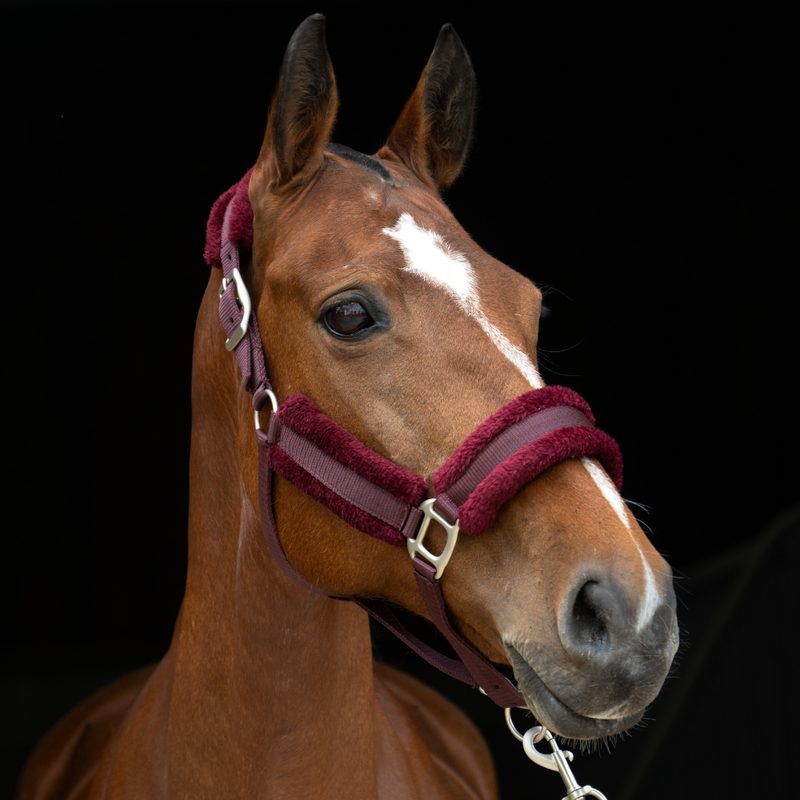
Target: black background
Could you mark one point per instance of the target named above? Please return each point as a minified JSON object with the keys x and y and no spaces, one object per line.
{"x":641,"y":168}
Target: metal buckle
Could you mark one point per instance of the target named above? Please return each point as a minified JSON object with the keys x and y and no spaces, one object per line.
{"x":243,"y":298}
{"x":415,"y":545}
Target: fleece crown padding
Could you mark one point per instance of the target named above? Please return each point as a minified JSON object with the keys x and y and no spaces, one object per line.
{"x":240,"y":231}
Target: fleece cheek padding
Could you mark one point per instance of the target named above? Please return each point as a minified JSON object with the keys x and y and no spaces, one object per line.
{"x":299,"y":416}
{"x":303,"y":417}
{"x":356,"y":517}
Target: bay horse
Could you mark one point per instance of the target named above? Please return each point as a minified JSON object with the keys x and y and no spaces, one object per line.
{"x":398,"y":343}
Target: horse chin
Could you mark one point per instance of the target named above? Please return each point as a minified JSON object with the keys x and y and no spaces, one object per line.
{"x":555,"y":715}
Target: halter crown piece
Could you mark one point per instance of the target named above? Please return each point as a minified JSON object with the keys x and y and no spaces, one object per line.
{"x":374,"y":495}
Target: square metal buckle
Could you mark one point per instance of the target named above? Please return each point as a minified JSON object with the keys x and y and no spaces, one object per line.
{"x":415,"y":545}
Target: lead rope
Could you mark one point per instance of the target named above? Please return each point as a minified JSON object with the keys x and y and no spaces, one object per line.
{"x":558,"y":760}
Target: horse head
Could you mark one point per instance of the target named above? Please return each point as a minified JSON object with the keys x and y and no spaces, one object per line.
{"x":374,"y":303}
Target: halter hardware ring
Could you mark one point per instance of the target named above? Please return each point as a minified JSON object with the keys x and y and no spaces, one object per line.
{"x":243,"y":298}
{"x":273,"y":401}
{"x":415,"y":545}
{"x":513,"y":728}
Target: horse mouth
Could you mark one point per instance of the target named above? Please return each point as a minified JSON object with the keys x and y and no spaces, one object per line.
{"x":554,"y":714}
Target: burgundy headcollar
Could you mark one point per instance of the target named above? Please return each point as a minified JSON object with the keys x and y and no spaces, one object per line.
{"x":515,"y":444}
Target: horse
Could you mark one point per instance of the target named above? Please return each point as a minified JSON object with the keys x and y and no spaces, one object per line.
{"x":390,"y":339}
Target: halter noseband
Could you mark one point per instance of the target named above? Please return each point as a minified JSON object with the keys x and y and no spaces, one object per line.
{"x":515,"y":444}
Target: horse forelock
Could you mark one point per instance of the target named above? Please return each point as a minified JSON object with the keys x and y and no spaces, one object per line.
{"x":368,"y":162}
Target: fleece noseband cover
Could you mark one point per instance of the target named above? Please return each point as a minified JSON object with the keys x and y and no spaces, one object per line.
{"x":506,"y":451}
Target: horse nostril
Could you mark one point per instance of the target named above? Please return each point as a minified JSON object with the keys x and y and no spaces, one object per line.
{"x":588,"y":626}
{"x":596,"y":619}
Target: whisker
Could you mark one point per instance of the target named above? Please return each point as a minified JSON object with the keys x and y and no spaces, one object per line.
{"x":549,"y":364}
{"x":563,"y":349}
{"x":647,"y":509}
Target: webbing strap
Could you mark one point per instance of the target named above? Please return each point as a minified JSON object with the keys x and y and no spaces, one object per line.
{"x":382,"y":612}
{"x":351,"y":487}
{"x":268,"y":524}
{"x":494,"y":684}
{"x":249,"y":352}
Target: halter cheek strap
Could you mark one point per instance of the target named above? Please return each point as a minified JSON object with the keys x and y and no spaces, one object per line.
{"x":510,"y":448}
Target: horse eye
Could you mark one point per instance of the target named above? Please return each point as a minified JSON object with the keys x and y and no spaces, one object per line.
{"x":346,"y":319}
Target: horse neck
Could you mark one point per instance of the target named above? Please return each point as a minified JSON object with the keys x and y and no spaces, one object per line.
{"x":258,"y":658}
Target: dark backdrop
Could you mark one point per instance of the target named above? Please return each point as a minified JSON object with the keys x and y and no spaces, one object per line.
{"x":642,"y":170}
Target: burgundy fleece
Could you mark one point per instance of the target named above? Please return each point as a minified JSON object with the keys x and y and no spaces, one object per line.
{"x":511,"y":413}
{"x":241,"y":225}
{"x":478,"y":512}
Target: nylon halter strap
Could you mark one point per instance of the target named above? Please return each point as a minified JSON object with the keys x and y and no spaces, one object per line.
{"x":529,"y":434}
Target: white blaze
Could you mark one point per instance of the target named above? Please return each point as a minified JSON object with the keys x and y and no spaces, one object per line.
{"x":651,"y":599}
{"x":429,"y":256}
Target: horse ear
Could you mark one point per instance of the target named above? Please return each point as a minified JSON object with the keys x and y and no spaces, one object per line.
{"x":433,"y":133}
{"x":303,"y":109}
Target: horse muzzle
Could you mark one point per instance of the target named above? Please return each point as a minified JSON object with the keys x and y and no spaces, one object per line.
{"x":601,"y":670}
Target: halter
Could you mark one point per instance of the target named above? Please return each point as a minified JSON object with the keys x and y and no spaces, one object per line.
{"x":515,"y":444}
